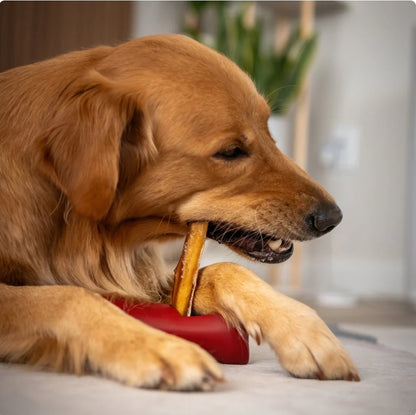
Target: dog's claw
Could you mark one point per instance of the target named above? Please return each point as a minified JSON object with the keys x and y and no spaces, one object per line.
{"x":168,"y":378}
{"x":320,"y":375}
{"x":218,"y":377}
{"x":354,"y":377}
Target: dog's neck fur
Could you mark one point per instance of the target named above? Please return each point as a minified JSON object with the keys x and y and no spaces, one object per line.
{"x":108,"y":268}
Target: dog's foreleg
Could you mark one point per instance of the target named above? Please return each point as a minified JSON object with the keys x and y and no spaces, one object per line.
{"x":301,"y":340}
{"x":71,"y":329}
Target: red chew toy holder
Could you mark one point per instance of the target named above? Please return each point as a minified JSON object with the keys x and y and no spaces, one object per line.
{"x":210,"y":331}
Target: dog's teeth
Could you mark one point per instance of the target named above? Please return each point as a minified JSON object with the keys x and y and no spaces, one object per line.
{"x":285,"y":246}
{"x":275,"y":245}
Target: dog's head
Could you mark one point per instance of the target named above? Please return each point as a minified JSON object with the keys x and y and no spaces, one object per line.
{"x":170,"y":130}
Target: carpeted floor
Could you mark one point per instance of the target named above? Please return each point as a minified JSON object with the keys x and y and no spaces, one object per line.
{"x":387,"y":368}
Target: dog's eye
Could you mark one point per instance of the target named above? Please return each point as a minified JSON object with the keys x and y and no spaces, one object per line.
{"x":231,"y":153}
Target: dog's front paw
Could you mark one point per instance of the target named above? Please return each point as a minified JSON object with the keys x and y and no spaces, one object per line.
{"x":145,"y":357}
{"x":308,"y":349}
{"x":303,"y":343}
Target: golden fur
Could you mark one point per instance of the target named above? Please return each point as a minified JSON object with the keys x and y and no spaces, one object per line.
{"x":104,"y":152}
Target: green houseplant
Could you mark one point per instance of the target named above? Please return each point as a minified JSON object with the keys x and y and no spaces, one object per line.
{"x":239,"y":35}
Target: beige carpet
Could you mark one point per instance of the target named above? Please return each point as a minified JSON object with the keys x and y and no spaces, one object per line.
{"x":388,"y":386}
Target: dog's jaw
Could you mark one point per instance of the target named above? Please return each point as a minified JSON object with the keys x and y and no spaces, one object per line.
{"x":254,"y":245}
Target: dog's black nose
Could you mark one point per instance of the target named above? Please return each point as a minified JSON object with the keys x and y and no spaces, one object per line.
{"x":325,"y":218}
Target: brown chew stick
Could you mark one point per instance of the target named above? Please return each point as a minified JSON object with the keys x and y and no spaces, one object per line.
{"x":186,"y":272}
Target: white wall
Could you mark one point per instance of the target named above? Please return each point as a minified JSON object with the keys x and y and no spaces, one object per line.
{"x":361,"y":79}
{"x":158,"y":17}
{"x":411,"y":228}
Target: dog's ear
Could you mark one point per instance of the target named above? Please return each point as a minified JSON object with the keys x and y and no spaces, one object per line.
{"x":81,"y":148}
{"x":137,"y":147}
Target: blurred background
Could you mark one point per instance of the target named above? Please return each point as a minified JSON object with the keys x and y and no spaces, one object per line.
{"x":341,"y":80}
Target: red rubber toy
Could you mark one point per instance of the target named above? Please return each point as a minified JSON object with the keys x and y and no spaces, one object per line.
{"x":210,"y":331}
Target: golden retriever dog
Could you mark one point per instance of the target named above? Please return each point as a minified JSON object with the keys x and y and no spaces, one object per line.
{"x":105,"y":152}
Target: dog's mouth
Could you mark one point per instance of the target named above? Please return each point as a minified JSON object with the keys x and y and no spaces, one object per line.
{"x":258,"y":246}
